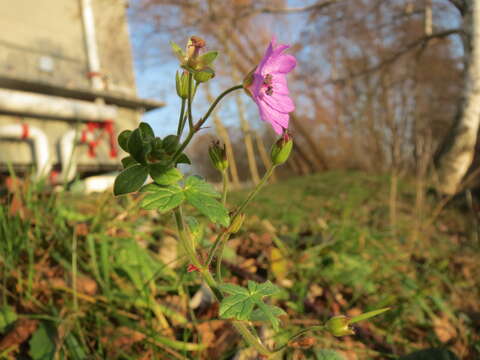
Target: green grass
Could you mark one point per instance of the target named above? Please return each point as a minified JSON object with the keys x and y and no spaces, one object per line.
{"x":344,"y":257}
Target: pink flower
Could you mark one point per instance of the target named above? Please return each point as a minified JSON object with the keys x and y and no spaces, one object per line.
{"x":268,"y":87}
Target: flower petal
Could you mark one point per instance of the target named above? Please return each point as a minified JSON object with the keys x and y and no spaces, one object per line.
{"x":278,"y":120}
{"x":279,"y":85}
{"x":279,"y":64}
{"x":279,"y":102}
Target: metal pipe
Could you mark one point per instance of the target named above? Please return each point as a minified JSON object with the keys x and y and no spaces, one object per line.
{"x":40,"y":149}
{"x":36,"y":105}
{"x":91,"y":44}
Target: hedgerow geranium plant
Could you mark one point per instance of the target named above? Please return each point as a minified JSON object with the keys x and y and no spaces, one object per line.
{"x":170,"y":189}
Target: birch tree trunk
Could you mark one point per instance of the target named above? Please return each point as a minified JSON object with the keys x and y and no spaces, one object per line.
{"x":456,"y":155}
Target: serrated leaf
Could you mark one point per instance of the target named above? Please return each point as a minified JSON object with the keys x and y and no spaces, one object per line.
{"x":7,"y":316}
{"x":123,"y":139}
{"x":164,"y":198}
{"x":130,"y":179}
{"x":128,"y":161}
{"x":196,"y":183}
{"x":259,"y":315}
{"x":201,"y":195}
{"x":265,"y":289}
{"x":163,"y":175}
{"x":209,"y":207}
{"x":42,"y":343}
{"x":234,"y":289}
{"x":242,"y":302}
{"x":236,"y":306}
{"x":152,"y":187}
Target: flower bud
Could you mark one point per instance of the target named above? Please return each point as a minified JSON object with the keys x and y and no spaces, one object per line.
{"x":236,"y":223}
{"x":281,"y":149}
{"x":339,"y":326}
{"x":181,"y":83}
{"x":218,"y":156}
{"x":195,"y":44}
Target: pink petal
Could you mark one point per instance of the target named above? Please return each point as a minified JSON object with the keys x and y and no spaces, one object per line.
{"x":280,"y":85}
{"x":279,"y":102}
{"x":280,"y":64}
{"x":277,"y":119}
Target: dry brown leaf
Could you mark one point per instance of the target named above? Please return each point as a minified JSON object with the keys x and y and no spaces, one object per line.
{"x":444,"y":329}
{"x":22,"y":330}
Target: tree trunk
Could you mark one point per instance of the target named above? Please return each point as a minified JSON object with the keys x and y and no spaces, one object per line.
{"x":456,"y":155}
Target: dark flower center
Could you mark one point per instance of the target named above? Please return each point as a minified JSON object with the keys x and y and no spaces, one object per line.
{"x":267,"y":82}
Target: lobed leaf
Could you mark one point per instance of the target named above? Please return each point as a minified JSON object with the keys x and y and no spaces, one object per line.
{"x":165,"y":198}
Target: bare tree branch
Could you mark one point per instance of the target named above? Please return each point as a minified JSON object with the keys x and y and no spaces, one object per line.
{"x":459,"y":4}
{"x":317,"y":6}
{"x":423,"y":41}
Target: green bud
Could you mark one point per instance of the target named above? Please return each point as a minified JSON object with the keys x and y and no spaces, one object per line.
{"x":236,"y":223}
{"x":218,"y":156}
{"x":281,"y":149}
{"x":339,"y":326}
{"x":181,"y":83}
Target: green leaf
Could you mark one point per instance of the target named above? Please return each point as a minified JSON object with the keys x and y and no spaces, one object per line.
{"x":208,"y":206}
{"x":207,"y":58}
{"x":241,"y":303}
{"x":139,"y":147}
{"x":368,"y":315}
{"x":147,"y":131}
{"x":128,"y":161}
{"x":201,"y":195}
{"x":196,"y":183}
{"x":152,"y":187}
{"x":265,"y":289}
{"x":259,"y":315}
{"x":123,"y":139}
{"x":183,"y":159}
{"x":164,"y":198}
{"x":163,"y":175}
{"x":170,"y":143}
{"x":204,"y":75}
{"x":233,"y":289}
{"x":130,"y":179}
{"x":177,"y":50}
{"x":237,"y":306}
{"x":7,"y":316}
{"x":42,"y":343}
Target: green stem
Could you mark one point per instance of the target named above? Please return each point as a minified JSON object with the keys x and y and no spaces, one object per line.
{"x":255,"y":191}
{"x":224,"y":235}
{"x":200,"y":122}
{"x":190,"y":98}
{"x":297,"y":335}
{"x":225,"y":187}
{"x":251,"y":339}
{"x":181,"y":120}
{"x":74,"y":271}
